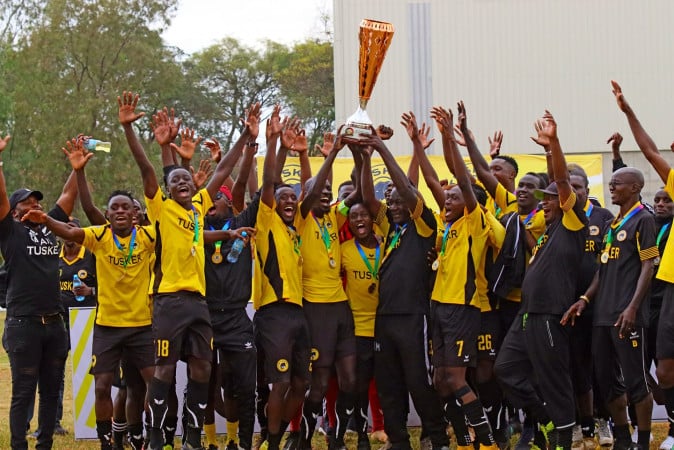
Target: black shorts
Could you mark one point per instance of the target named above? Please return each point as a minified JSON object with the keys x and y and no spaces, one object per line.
{"x":182,"y":327}
{"x":111,"y":343}
{"x":118,"y":379}
{"x":332,"y":332}
{"x":664,"y":348}
{"x":455,"y":331}
{"x":491,"y":336}
{"x":232,"y":330}
{"x":282,"y":337}
{"x":619,"y":364}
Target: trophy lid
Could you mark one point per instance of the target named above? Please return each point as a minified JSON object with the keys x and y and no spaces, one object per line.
{"x":377,"y":25}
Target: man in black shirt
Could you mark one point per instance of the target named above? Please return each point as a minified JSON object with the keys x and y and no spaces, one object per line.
{"x":537,"y":343}
{"x":35,"y":336}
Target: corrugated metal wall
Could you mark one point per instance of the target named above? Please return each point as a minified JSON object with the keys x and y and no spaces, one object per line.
{"x":509,"y":60}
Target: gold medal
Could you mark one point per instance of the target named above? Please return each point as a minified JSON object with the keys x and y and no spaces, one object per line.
{"x":435,"y":265}
{"x":333,"y":264}
{"x":656,"y":261}
{"x":604,"y":257}
{"x":371,"y":288}
{"x":216,"y":258}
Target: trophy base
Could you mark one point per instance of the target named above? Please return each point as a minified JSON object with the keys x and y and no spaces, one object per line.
{"x":358,"y":126}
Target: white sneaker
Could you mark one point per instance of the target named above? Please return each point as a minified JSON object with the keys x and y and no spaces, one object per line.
{"x":604,"y":432}
{"x":667,"y":444}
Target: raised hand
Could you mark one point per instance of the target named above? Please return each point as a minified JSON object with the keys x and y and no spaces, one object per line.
{"x":127,"y":108}
{"x":3,"y":142}
{"x":76,"y":153}
{"x":495,"y":144}
{"x":289,"y":132}
{"x":188,"y":144}
{"x":546,"y":130}
{"x":409,"y":121}
{"x":252,"y":120}
{"x":619,"y":97}
{"x":204,"y":173}
{"x":384,"y":132}
{"x":301,"y":145}
{"x":462,"y":117}
{"x":161,"y":128}
{"x":328,"y":142}
{"x":424,"y":131}
{"x":615,"y":140}
{"x":444,"y":120}
{"x":174,"y":125}
{"x":274,"y":125}
{"x":213,"y":146}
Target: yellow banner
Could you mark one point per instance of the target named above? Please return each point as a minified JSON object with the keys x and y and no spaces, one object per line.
{"x":343,"y":166}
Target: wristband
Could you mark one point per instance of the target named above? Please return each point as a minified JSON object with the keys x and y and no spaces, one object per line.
{"x":343,"y":209}
{"x":585,"y":299}
{"x":252,"y":144}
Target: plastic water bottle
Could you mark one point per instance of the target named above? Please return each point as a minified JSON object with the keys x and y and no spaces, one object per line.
{"x":99,"y":146}
{"x":77,"y":283}
{"x":237,"y":246}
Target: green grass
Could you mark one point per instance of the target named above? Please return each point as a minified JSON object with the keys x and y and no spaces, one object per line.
{"x":68,"y":442}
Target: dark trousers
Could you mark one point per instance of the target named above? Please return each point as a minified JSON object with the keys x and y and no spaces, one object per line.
{"x":237,"y":369}
{"x":402,"y":366}
{"x":37,"y":356}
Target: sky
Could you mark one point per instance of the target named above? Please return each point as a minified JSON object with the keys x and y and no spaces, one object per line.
{"x":200,"y":23}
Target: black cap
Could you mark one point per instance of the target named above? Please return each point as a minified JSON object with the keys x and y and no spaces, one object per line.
{"x":550,"y":190}
{"x":22,"y":194}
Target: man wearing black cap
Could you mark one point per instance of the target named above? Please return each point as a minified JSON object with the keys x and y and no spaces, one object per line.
{"x":35,"y":336}
{"x":537,"y":343}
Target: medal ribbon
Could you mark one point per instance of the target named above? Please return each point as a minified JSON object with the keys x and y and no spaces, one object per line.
{"x":373,"y":271}
{"x":396,"y":237}
{"x":195,"y":239}
{"x":225,"y":227}
{"x":445,"y":236}
{"x":297,"y":241}
{"x":589,"y":210}
{"x":611,"y":230}
{"x":527,"y":219}
{"x":119,"y":246}
{"x":662,"y":232}
{"x":325,"y":235}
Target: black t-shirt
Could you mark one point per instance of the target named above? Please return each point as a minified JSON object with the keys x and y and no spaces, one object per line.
{"x":549,"y":285}
{"x":84,"y":265}
{"x":405,"y":275}
{"x":633,"y":242}
{"x":32,"y":259}
{"x":598,"y":221}
{"x":662,"y":230}
{"x":228,"y":286}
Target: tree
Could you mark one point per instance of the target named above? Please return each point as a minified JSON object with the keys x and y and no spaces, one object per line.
{"x":306,"y":82}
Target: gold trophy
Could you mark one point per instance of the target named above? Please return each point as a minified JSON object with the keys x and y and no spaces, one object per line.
{"x":375,"y":38}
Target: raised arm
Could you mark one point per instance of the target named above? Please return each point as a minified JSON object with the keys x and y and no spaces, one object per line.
{"x":227,"y":163}
{"x":127,"y":115}
{"x":4,"y":200}
{"x":60,"y":229}
{"x":239,"y":188}
{"x":615,"y":140}
{"x":546,"y":128}
{"x":644,"y":141}
{"x":188,"y":144}
{"x":79,"y":157}
{"x":367,"y":185}
{"x":429,"y":173}
{"x":400,"y":180}
{"x":313,"y":195}
{"x":460,"y":170}
{"x":269,"y":169}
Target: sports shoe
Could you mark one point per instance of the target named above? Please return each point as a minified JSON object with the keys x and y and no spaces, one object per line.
{"x":188,"y":446}
{"x":667,"y":444}
{"x":212,"y":447}
{"x":291,"y":442}
{"x":379,"y":435}
{"x":386,"y":446}
{"x":32,"y":435}
{"x":525,"y":439}
{"x":58,"y":429}
{"x":425,"y":444}
{"x":604,"y":432}
{"x":577,"y":438}
{"x":589,"y":443}
{"x":231,"y":445}
{"x":627,"y":445}
{"x":336,"y":444}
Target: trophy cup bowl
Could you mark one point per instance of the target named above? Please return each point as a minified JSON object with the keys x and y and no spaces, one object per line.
{"x":375,"y":38}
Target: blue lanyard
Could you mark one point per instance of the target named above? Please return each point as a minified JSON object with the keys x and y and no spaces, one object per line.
{"x":120,"y":247}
